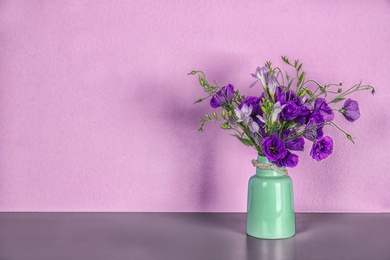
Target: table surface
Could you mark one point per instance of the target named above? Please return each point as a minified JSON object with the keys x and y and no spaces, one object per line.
{"x":199,"y":236}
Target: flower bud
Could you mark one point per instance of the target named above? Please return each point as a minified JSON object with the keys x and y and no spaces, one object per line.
{"x":350,"y":138}
{"x":225,"y":126}
{"x":223,"y":113}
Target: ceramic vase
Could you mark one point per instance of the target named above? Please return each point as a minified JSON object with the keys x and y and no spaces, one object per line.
{"x":270,"y":209}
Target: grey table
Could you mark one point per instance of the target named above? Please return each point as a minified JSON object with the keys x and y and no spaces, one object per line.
{"x":199,"y":236}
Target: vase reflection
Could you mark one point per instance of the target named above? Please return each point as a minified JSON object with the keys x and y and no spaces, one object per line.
{"x":281,"y":249}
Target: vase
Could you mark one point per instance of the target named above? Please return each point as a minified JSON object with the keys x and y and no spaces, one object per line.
{"x":270,"y":209}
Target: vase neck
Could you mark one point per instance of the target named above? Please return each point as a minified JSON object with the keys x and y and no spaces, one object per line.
{"x":268,"y":173}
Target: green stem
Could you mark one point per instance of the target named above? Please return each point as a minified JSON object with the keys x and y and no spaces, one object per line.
{"x":281,"y":73}
{"x":339,"y":128}
{"x":248,"y":135}
{"x":352,"y":89}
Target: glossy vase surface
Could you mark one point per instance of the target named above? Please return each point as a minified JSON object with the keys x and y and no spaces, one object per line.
{"x":270,"y":209}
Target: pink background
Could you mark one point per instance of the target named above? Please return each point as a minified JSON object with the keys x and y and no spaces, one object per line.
{"x":96,"y":108}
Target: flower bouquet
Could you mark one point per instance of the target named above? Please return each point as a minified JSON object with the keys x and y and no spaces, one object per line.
{"x":288,"y":112}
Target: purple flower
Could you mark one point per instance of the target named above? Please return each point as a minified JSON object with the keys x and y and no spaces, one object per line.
{"x":314,"y":128}
{"x":292,"y":142}
{"x":323,"y":108}
{"x":351,"y":110}
{"x":298,"y":113}
{"x":222,"y":97}
{"x":317,"y":117}
{"x":303,"y":115}
{"x":290,"y":160}
{"x":273,"y":148}
{"x":322,"y":148}
{"x":280,"y":94}
{"x":290,"y":95}
{"x":283,"y":95}
{"x":304,"y":110}
{"x":290,"y":111}
{"x":254,"y":102}
{"x":296,"y":144}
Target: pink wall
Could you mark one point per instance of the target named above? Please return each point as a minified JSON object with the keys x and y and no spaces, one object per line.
{"x":96,"y":109}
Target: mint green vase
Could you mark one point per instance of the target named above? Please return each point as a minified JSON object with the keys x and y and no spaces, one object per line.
{"x":270,"y":211}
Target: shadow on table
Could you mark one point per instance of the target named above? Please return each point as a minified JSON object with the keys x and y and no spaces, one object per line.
{"x":236,"y":222}
{"x":301,"y":224}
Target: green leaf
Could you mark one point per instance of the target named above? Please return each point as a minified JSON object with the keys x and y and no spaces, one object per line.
{"x":245,"y":141}
{"x":337,"y":100}
{"x":289,"y":85}
{"x":201,"y":127}
{"x":202,"y":81}
{"x":302,"y":76}
{"x":284,"y":58}
{"x":287,"y":76}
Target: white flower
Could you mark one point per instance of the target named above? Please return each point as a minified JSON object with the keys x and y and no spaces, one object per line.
{"x":272,"y":84}
{"x":276,"y":111}
{"x":253,"y":126}
{"x":261,"y":118}
{"x":262,"y":74}
{"x":243,"y":114}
